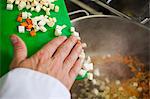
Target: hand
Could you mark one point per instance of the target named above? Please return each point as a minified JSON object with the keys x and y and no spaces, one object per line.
{"x":59,"y":58}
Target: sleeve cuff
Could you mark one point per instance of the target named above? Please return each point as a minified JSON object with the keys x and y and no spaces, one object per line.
{"x":29,"y":83}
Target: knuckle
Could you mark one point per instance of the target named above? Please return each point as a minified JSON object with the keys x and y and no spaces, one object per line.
{"x":64,"y":47}
{"x":68,"y":61}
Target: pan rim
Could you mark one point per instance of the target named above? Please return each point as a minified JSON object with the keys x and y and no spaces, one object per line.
{"x":109,"y":16}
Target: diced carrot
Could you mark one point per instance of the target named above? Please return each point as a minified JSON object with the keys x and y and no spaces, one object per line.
{"x":19,"y":19}
{"x":33,"y":33}
{"x":29,"y":21}
{"x":24,"y":24}
{"x":139,"y":74}
{"x":29,"y":26}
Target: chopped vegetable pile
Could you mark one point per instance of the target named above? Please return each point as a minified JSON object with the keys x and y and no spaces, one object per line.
{"x":33,"y":24}
{"x":104,"y":87}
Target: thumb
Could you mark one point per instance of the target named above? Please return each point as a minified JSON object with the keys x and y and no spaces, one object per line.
{"x":20,"y":50}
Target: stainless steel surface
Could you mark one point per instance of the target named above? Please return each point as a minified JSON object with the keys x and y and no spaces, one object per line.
{"x":79,"y":11}
{"x":111,"y":9}
{"x":86,"y":7}
{"x":137,"y":10}
{"x":114,"y":35}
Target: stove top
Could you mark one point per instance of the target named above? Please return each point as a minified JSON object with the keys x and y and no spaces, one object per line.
{"x":137,"y":10}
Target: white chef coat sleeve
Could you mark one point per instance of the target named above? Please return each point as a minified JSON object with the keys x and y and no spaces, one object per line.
{"x":24,"y":83}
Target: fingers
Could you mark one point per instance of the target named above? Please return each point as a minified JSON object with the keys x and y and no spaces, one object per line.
{"x":76,"y":68}
{"x":52,"y":46}
{"x":20,"y":50}
{"x":73,"y":56}
{"x":64,"y":50}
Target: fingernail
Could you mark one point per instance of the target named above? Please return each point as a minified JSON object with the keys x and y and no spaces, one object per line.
{"x":13,"y":39}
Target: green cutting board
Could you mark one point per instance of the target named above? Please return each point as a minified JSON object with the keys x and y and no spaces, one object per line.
{"x":8,"y":26}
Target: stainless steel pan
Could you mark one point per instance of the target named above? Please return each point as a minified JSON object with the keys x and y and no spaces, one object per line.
{"x":111,"y":35}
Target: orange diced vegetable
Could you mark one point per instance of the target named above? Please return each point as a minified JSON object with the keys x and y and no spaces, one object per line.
{"x":24,"y":24}
{"x":33,"y":33}
{"x":19,"y":19}
{"x":29,"y":26}
{"x":29,"y":21}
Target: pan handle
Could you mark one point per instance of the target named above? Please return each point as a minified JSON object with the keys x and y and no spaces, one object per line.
{"x":79,"y":11}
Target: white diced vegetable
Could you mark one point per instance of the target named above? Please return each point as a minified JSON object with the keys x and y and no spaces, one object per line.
{"x":46,"y":16}
{"x":64,"y":26}
{"x":42,"y":23}
{"x":78,"y":38}
{"x":29,"y":15}
{"x":38,"y":8}
{"x":90,"y":76}
{"x":52,"y":6}
{"x":82,"y":55}
{"x":139,"y":89}
{"x":88,"y":66}
{"x":21,"y":5}
{"x":46,"y":4}
{"x":44,"y":8}
{"x":21,"y":29}
{"x":107,"y":80}
{"x":72,"y":29}
{"x":76,"y":34}
{"x":46,"y":20}
{"x":96,"y":72}
{"x":120,"y":88}
{"x":108,"y":55}
{"x":10,"y":1}
{"x":54,"y":19}
{"x":50,"y":24}
{"x":56,"y":8}
{"x":82,"y":72}
{"x":47,"y":13}
{"x":135,"y":84}
{"x":9,"y":7}
{"x":58,"y":32}
{"x":95,"y":91}
{"x":28,"y":7}
{"x":43,"y":29}
{"x":35,"y":3}
{"x":94,"y":81}
{"x":41,"y":17}
{"x":84,"y":45}
{"x":31,"y":0}
{"x":88,"y":58}
{"x":24,"y":15}
{"x":118,"y":82}
{"x":32,"y":9}
{"x":37,"y":28}
{"x":17,"y":2}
